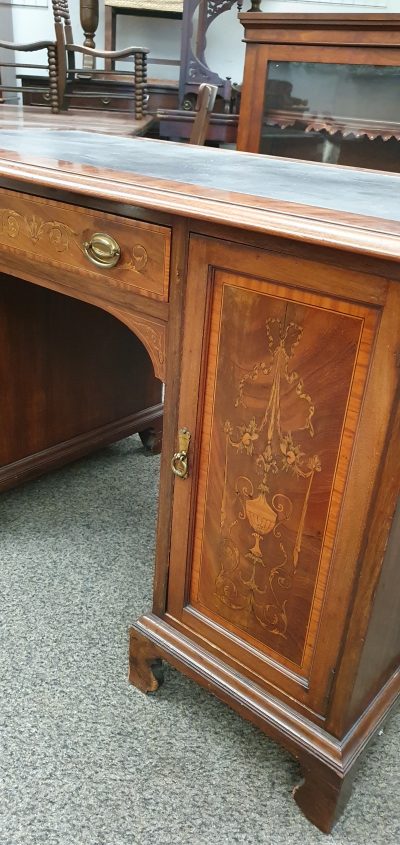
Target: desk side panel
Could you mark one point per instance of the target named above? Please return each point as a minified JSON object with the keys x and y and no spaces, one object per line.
{"x":381,"y":653}
{"x":68,"y":371}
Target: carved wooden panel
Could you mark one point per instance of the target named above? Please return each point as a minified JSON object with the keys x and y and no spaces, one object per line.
{"x":151,"y":332}
{"x":56,"y":233}
{"x":281,"y":404}
{"x":193,"y":65}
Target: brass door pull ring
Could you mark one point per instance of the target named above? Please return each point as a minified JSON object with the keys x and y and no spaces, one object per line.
{"x":102,"y":250}
{"x":179,"y":463}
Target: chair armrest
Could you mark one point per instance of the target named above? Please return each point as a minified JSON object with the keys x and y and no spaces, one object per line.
{"x":36,"y":45}
{"x":105,"y":54}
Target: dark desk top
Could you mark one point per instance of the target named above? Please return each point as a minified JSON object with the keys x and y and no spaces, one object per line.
{"x":184,"y":179}
{"x":337,"y":188}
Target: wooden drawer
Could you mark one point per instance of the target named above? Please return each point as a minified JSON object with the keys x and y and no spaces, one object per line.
{"x":56,"y":233}
{"x":118,"y":97}
{"x":83,"y":100}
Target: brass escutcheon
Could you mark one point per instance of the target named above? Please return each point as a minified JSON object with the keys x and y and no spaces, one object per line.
{"x":102,"y":250}
{"x":179,"y":463}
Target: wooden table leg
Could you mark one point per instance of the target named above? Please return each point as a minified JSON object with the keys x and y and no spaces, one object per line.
{"x":110,"y":34}
{"x":89,"y":15}
{"x":323,"y":795}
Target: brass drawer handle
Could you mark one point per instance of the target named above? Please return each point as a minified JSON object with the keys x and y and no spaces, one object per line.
{"x":102,"y":250}
{"x":179,"y":463}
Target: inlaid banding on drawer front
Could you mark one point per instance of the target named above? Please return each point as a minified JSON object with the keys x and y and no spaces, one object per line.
{"x":61,"y":234}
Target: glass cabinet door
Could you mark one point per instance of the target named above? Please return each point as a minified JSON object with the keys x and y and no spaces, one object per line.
{"x":337,"y":113}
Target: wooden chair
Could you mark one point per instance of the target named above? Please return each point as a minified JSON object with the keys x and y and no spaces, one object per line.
{"x":200,"y":117}
{"x":67,"y":71}
{"x":204,"y":106}
{"x":50,"y":66}
{"x":161,"y":9}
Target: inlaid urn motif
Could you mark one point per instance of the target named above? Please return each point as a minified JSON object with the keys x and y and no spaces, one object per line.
{"x":256,"y":578}
{"x":262,"y":518}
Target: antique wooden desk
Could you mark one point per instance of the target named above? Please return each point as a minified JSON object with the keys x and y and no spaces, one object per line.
{"x":267,"y":295}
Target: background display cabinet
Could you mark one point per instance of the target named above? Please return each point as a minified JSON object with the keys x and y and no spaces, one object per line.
{"x":322,"y":88}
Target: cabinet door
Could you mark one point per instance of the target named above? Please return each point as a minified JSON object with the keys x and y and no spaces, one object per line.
{"x":283,"y":394}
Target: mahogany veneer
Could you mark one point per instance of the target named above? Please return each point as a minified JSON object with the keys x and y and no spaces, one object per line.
{"x":277,"y":578}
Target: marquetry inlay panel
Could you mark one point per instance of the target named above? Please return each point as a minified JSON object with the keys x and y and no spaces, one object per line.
{"x":283,"y":390}
{"x":56,"y":233}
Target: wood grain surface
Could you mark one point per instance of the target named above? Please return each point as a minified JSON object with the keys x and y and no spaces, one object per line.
{"x":307,"y":202}
{"x":55,"y":234}
{"x":276,"y":580}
